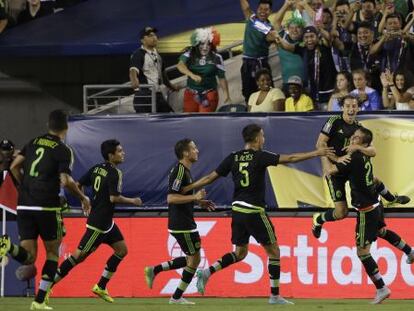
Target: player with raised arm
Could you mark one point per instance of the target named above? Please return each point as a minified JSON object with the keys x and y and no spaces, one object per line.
{"x":181,"y":224}
{"x":248,"y":167}
{"x":44,"y":164}
{"x":106,"y":182}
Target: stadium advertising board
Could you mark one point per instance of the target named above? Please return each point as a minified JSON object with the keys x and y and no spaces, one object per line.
{"x":324,"y":268}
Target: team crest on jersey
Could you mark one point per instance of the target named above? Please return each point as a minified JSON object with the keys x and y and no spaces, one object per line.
{"x":338,"y":193}
{"x":176,"y":185}
{"x":202,"y":61}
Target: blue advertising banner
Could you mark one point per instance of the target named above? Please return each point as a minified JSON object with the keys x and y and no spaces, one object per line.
{"x":149,"y":145}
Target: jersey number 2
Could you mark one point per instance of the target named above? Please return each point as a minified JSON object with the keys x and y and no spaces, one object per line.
{"x":39,"y":152}
{"x":244,"y":182}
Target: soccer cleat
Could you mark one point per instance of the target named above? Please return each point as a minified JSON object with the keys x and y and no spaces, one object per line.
{"x":382,"y":294}
{"x":279,"y":300}
{"x":316,"y":227}
{"x":5,"y":245}
{"x":39,"y":306}
{"x":47,"y":296}
{"x":202,"y":280}
{"x":102,"y":293}
{"x":149,"y":276}
{"x":180,"y":301}
{"x":410,"y":258}
{"x":400,"y":199}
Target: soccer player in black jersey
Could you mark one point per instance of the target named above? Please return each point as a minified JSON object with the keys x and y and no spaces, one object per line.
{"x":365,"y":199}
{"x":248,"y":168}
{"x":43,"y":165}
{"x":181,"y":224}
{"x":336,"y":133}
{"x":105,"y":180}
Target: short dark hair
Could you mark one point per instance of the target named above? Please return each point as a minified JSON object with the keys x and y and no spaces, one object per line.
{"x":181,"y":146}
{"x":368,"y":136}
{"x":342,"y":2}
{"x":263,"y":71}
{"x":366,"y":25}
{"x":372,"y":1}
{"x":349,"y":96}
{"x":269,"y":2}
{"x":109,"y":146}
{"x":326,"y":10}
{"x":58,"y":120}
{"x":250,"y":132}
{"x":394,"y":15}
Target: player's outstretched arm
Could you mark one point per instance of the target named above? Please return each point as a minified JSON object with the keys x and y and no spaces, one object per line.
{"x":298,"y":157}
{"x":175,"y":198}
{"x":369,"y":151}
{"x":120,"y":199}
{"x":203,"y":181}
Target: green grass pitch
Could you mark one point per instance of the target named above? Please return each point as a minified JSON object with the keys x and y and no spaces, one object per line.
{"x":205,"y":304}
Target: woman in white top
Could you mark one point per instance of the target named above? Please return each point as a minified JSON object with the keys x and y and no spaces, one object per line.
{"x":395,"y":94}
{"x":344,"y":85}
{"x":267,"y":99}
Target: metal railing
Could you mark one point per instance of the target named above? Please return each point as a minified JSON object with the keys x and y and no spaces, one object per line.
{"x":109,"y":89}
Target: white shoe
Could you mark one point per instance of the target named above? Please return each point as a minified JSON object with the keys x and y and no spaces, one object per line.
{"x":181,"y":301}
{"x":279,"y":300}
{"x":410,"y":258}
{"x":382,"y":294}
{"x":202,"y":279}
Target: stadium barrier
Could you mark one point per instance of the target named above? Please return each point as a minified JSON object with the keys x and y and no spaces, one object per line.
{"x":324,"y":268}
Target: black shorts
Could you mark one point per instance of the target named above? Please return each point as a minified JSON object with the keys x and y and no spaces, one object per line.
{"x":381,"y":217}
{"x":258,"y":225}
{"x":93,"y":238}
{"x":336,"y":186}
{"x":47,"y":224}
{"x":367,"y":227}
{"x":189,"y":242}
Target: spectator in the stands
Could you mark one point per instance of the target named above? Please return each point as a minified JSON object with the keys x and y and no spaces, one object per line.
{"x":7,"y":153}
{"x":35,"y":9}
{"x":268,"y":98}
{"x":258,"y":36}
{"x":320,"y":71}
{"x":366,"y":12}
{"x":395,"y":93}
{"x":203,"y":65}
{"x":344,"y":85}
{"x":369,"y":97}
{"x":3,"y":15}
{"x":360,"y":54}
{"x":147,"y":67}
{"x":291,"y":64}
{"x":298,"y":100}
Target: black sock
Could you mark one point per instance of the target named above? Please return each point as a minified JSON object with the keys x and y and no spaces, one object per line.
{"x":19,"y":254}
{"x":225,"y":261}
{"x":65,"y":268}
{"x":186,"y":278}
{"x":327,"y":216}
{"x":394,"y":239}
{"x":48,"y":275}
{"x":274,"y":273}
{"x":384,"y":192}
{"x":176,"y":263}
{"x":371,"y":269}
{"x":109,"y":270}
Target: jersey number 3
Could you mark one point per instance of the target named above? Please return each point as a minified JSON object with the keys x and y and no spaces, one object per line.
{"x":245,"y":181}
{"x":39,"y":152}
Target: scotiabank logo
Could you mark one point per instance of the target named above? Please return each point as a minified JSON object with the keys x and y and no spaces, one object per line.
{"x":324,"y":268}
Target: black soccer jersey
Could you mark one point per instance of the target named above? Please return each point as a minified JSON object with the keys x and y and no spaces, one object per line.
{"x":180,"y":216}
{"x":105,"y":180}
{"x":248,"y":168}
{"x":361,"y":180}
{"x":45,"y":158}
{"x":339,"y":133}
